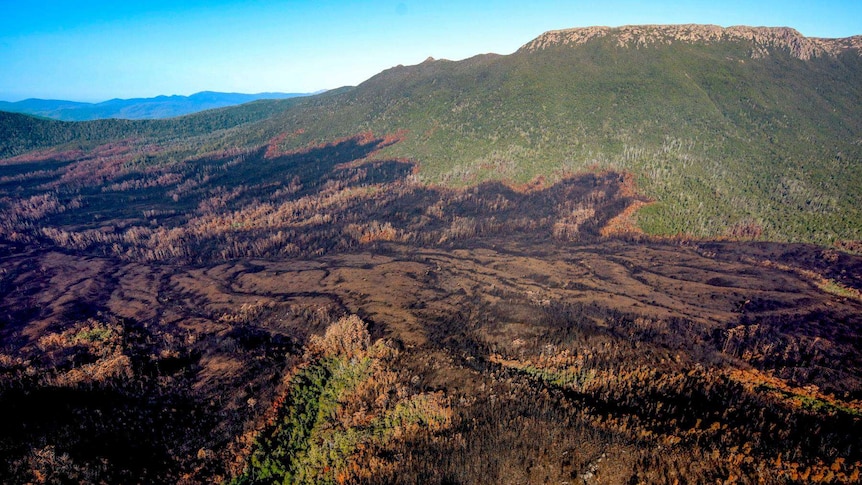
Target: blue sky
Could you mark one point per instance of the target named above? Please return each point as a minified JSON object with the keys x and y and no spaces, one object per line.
{"x":97,"y":50}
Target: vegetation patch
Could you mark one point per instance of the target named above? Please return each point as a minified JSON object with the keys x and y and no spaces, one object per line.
{"x":342,"y":409}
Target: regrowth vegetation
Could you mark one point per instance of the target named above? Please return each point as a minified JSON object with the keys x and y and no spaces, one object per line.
{"x":342,"y":409}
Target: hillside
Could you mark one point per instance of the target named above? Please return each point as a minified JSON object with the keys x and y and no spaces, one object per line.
{"x":136,"y":108}
{"x":718,"y":133}
{"x":729,"y":131}
{"x":589,"y":261}
{"x":318,"y":316}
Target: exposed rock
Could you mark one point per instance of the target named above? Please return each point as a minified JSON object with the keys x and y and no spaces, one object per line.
{"x":763,"y":38}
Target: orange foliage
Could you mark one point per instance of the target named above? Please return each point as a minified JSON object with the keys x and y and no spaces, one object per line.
{"x":623,"y":224}
{"x":348,"y":336}
{"x":755,"y":380}
{"x":538,"y":183}
{"x":363,"y":138}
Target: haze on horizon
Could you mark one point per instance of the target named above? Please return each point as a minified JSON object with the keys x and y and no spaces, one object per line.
{"x":56,"y":49}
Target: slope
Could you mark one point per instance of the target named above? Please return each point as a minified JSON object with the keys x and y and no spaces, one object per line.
{"x":22,"y":133}
{"x":738,"y":132}
{"x":721,"y":139}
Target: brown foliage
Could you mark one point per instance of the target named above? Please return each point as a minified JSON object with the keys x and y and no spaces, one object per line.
{"x":348,"y":336}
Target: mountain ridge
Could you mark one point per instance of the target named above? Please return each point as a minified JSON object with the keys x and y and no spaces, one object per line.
{"x":158,"y":107}
{"x":719,"y":138}
{"x":798,"y":45}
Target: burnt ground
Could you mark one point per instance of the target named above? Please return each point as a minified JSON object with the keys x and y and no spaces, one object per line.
{"x":151,"y":318}
{"x":204,"y":340}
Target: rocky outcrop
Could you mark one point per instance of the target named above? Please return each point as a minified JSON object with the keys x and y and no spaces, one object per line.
{"x":763,"y":39}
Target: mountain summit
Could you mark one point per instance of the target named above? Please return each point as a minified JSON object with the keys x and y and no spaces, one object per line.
{"x":763,"y":38}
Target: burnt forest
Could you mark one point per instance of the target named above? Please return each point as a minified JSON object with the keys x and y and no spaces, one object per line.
{"x":615,"y":256}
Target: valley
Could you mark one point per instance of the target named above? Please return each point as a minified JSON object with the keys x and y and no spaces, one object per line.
{"x":509,"y":269}
{"x":491,"y":325}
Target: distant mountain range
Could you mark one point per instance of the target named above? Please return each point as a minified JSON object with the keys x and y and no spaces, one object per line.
{"x":136,"y":108}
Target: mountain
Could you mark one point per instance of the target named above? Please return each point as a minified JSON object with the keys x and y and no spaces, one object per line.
{"x":737,"y":130}
{"x":136,"y":108}
{"x":617,"y":255}
{"x":721,"y":132}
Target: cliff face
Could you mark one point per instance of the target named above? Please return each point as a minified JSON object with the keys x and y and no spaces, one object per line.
{"x":762,"y":38}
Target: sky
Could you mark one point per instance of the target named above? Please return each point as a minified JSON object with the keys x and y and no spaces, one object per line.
{"x":101,"y":49}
